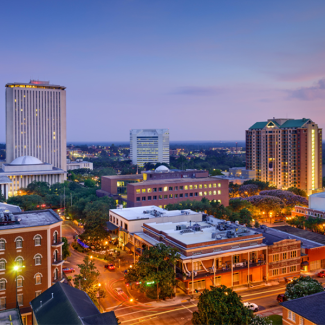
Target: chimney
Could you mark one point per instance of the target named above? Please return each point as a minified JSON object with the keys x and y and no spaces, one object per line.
{"x":52,"y":295}
{"x":41,"y":303}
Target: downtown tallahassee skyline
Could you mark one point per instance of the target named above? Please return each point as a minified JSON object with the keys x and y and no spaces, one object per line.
{"x":204,"y":70}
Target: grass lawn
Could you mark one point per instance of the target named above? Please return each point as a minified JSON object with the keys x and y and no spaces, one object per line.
{"x":276,"y":319}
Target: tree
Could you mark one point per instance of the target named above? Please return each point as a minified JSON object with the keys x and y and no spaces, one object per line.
{"x":301,"y":287}
{"x":261,"y":185}
{"x":297,"y":191}
{"x":65,"y":248}
{"x":27,"y":202}
{"x":221,"y":305}
{"x":248,"y":190}
{"x":237,"y":204}
{"x":90,"y":183}
{"x":155,"y":271}
{"x":215,"y":172}
{"x":38,"y":188}
{"x":88,"y":278}
{"x":259,"y":320}
{"x":287,"y":197}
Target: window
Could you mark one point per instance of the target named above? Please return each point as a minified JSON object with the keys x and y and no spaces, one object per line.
{"x":205,"y":193}
{"x":170,"y":188}
{"x":200,"y":185}
{"x":155,"y":197}
{"x":191,"y":194}
{"x":205,"y":186}
{"x":219,"y":184}
{"x":165,"y":197}
{"x":181,"y":195}
{"x":291,"y":315}
{"x":210,"y":192}
{"x":186,"y":194}
{"x":275,"y":272}
{"x":20,"y":299}
{"x":143,"y":190}
{"x":170,"y":196}
{"x":154,"y":189}
{"x":3,"y":303}
{"x":3,"y":284}
{"x":210,"y":185}
{"x":19,"y":261}
{"x":181,"y":187}
{"x":149,"y":190}
{"x":38,"y":259}
{"x":191,"y":187}
{"x":137,"y":191}
{"x":176,"y":196}
{"x":214,"y":185}
{"x":218,"y":280}
{"x":293,"y":254}
{"x":19,"y":242}
{"x":219,"y":192}
{"x":160,"y":197}
{"x":196,"y":194}
{"x":214,"y":192}
{"x":275,"y":257}
{"x":2,"y":244}
{"x":200,"y":193}
{"x":186,"y":187}
{"x":37,"y":293}
{"x":138,"y":199}
{"x":143,"y":198}
{"x":195,"y":186}
{"x":149,"y":198}
{"x":284,"y":270}
{"x":165,"y":188}
{"x":301,"y":321}
{"x":160,"y":189}
{"x":3,"y":263}
{"x":284,"y":256}
{"x":38,"y":278}
{"x":293,"y":268}
{"x":20,"y":281}
{"x":37,"y":240}
{"x":176,"y":188}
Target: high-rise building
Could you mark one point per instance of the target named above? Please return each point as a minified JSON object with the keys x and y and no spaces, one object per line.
{"x":286,"y":153}
{"x":149,"y":146}
{"x":36,"y":122}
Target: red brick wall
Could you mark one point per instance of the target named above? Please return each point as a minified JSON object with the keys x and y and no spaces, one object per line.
{"x":109,"y":185}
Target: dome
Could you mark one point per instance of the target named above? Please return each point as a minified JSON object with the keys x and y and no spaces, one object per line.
{"x":162,"y":169}
{"x":26,"y":160}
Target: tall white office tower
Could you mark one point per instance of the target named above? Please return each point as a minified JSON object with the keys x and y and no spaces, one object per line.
{"x":149,"y":145}
{"x":36,"y":122}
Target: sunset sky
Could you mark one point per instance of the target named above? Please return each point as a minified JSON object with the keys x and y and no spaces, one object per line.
{"x":207,"y":70}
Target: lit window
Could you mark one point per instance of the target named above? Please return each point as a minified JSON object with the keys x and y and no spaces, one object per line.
{"x":143,"y":190}
{"x":19,"y":261}
{"x":200,"y":185}
{"x":210,"y":192}
{"x":137,"y":191}
{"x":210,"y":185}
{"x":200,"y":193}
{"x":3,"y":263}
{"x":149,"y":190}
{"x":205,"y":193}
{"x":37,"y":293}
{"x":214,"y":192}
{"x":205,"y":186}
{"x":38,"y":278}
{"x":2,"y":303}
{"x":191,"y":187}
{"x":214,"y":185}
{"x":19,"y":281}
{"x":195,"y":186}
{"x":219,"y":192}
{"x":185,"y":187}
{"x":219,"y":184}
{"x":165,"y":188}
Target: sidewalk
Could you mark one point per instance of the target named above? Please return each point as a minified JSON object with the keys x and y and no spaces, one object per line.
{"x":271,"y":311}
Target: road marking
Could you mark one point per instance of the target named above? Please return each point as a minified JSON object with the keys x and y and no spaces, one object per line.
{"x":260,"y":297}
{"x":188,"y":309}
{"x":163,"y":312}
{"x":258,"y":293}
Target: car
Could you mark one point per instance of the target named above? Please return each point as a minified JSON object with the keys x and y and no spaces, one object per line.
{"x":251,"y":306}
{"x":68,"y":270}
{"x":281,"y":298}
{"x":321,"y":274}
{"x":119,"y":291}
{"x":110,"y":267}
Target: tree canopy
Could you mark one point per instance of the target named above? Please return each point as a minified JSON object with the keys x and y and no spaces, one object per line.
{"x":301,"y":287}
{"x":155,"y":271}
{"x":221,"y":305}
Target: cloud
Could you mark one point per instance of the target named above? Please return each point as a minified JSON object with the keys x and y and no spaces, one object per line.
{"x":310,"y":93}
{"x":198,"y":91}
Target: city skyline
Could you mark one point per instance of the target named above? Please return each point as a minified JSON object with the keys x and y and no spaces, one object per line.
{"x":185,"y":65}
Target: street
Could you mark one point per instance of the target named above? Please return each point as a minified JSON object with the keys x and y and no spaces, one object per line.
{"x":152,"y":312}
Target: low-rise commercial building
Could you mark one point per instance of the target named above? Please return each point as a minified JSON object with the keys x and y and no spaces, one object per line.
{"x":30,"y":257}
{"x":79,"y":163}
{"x":316,"y":207}
{"x":131,"y":220}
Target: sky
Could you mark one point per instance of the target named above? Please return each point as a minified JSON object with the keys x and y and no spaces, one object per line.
{"x":206,"y":70}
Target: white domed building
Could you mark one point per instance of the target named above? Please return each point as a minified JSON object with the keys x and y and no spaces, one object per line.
{"x":162,"y":169}
{"x":24,"y":170}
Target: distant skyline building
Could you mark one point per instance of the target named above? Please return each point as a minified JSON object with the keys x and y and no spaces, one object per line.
{"x":36,"y":122}
{"x":149,"y":146}
{"x":286,"y":153}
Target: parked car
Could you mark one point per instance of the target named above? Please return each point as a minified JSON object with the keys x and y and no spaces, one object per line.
{"x":110,"y":267}
{"x":281,"y":298}
{"x":119,"y":291}
{"x":321,"y":274}
{"x":251,"y":306}
{"x":69,"y":270}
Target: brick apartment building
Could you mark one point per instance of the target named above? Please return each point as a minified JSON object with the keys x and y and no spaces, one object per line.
{"x":30,"y":241}
{"x":286,"y":153}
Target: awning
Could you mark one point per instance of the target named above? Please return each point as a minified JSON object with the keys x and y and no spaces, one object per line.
{"x":305,"y":263}
{"x":129,"y":246}
{"x":110,"y":226}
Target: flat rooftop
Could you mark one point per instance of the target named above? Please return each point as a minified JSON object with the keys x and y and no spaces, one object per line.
{"x":320,"y":194}
{"x":13,"y":314}
{"x":40,"y":84}
{"x":125,"y":177}
{"x":149,"y":212}
{"x":33,"y":219}
{"x":185,"y":233}
{"x":305,"y":236}
{"x":175,"y":180}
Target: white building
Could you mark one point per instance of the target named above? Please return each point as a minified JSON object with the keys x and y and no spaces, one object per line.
{"x":131,"y":220}
{"x":36,"y":122}
{"x":24,"y":170}
{"x":79,"y":163}
{"x":149,"y":145}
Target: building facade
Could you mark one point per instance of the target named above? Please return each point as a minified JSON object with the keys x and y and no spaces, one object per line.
{"x":171,"y":191}
{"x":31,"y":254}
{"x":24,"y":170}
{"x":79,"y":163}
{"x":286,"y":153}
{"x":36,"y":122}
{"x":149,"y":146}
